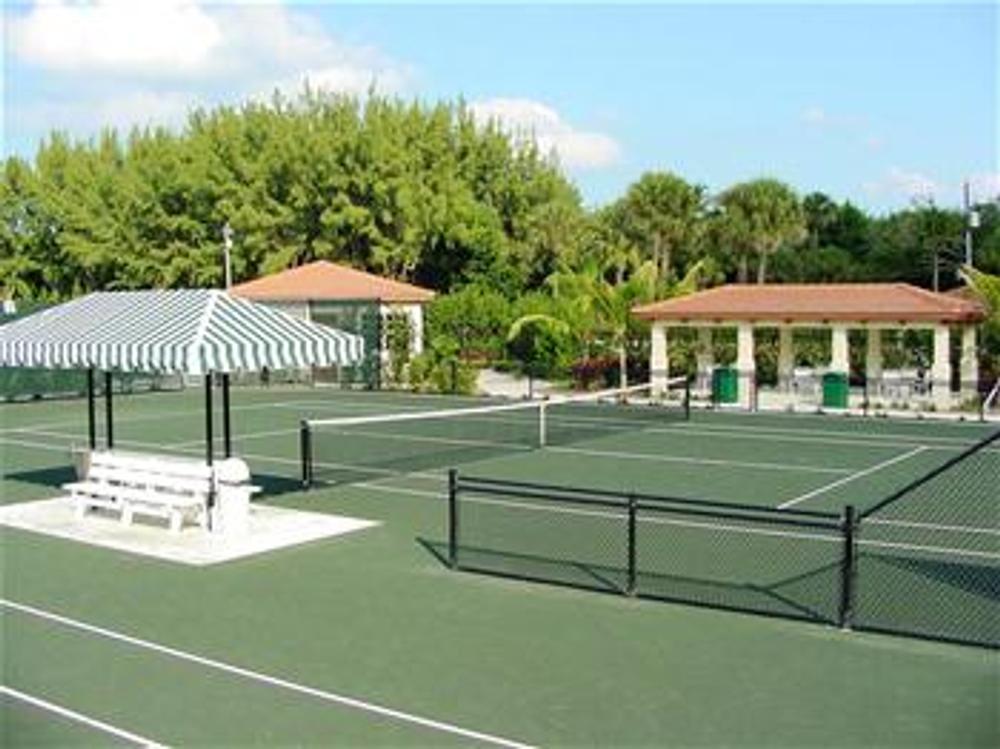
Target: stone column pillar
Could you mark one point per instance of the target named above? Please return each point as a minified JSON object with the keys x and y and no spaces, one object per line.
{"x":873,"y":362}
{"x":840,"y":360}
{"x":941,"y":369}
{"x":786,"y":359}
{"x":705,"y":360}
{"x":745,"y":364}
{"x":969,"y":363}
{"x":659,"y":364}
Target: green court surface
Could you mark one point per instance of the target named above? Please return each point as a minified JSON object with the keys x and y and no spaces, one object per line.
{"x":368,"y":639}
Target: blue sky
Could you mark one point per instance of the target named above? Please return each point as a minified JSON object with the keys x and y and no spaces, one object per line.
{"x":876,"y":104}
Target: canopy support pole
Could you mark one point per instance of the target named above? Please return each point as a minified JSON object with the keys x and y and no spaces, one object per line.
{"x":227,"y":438}
{"x":208,"y":418}
{"x":91,"y":410}
{"x":109,"y":421}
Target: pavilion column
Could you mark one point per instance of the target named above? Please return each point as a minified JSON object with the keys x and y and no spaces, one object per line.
{"x":873,"y":362}
{"x":705,"y":360}
{"x":109,"y":411}
{"x":91,"y":411}
{"x":840,"y":360}
{"x":745,"y":364}
{"x":659,"y":363}
{"x":969,"y":363}
{"x":786,"y":358}
{"x":941,"y":368}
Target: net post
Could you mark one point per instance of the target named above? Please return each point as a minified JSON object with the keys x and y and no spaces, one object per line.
{"x":848,"y":524}
{"x":453,"y":518}
{"x":687,"y":398}
{"x":305,"y":453}
{"x":633,"y":506}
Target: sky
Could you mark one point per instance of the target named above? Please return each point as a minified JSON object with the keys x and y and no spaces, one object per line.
{"x":882,"y":105}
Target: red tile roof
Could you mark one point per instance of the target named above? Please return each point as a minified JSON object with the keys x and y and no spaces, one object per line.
{"x":326,"y":281}
{"x":820,"y":303}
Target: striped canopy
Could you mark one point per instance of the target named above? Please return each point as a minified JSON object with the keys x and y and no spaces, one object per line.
{"x":190,"y":331}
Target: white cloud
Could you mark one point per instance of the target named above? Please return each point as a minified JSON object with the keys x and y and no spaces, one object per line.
{"x":911,"y":185}
{"x":149,"y":36}
{"x":814,"y":116}
{"x":528,"y":120}
{"x":985,"y":186}
{"x":126,"y":62}
{"x":257,"y":45}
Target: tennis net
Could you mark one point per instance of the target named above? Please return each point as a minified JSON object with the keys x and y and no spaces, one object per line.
{"x":347,"y":449}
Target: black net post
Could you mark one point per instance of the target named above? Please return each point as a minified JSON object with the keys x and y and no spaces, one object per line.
{"x":848,"y":569}
{"x":453,"y":518}
{"x":687,"y":397}
{"x":305,"y":453}
{"x":632,"y":511}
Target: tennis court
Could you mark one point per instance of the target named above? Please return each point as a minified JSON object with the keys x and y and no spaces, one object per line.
{"x":371,"y":639}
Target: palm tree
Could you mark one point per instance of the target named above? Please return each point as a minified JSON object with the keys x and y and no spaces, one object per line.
{"x":760,"y":217}
{"x":605,"y":309}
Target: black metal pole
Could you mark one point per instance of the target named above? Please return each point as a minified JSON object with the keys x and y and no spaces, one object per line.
{"x":632,"y":511}
{"x":687,"y":398}
{"x":847,"y":572}
{"x":91,"y":410}
{"x":208,"y":418}
{"x":226,"y":436}
{"x":453,"y":518}
{"x":109,"y":421}
{"x":305,"y":453}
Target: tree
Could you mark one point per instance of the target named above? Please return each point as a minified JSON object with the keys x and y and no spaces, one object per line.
{"x":537,"y":342}
{"x":758,"y":218}
{"x":663,"y":214}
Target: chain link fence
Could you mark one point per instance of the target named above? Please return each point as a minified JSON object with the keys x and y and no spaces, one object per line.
{"x":924,"y":561}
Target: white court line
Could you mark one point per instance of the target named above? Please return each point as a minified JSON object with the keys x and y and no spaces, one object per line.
{"x":520,"y":449}
{"x":870,"y":436}
{"x":991,"y":555}
{"x":34,"y":445}
{"x":934,"y":526}
{"x":274,"y":681}
{"x":698,"y":461}
{"x":789,"y":435}
{"x":80,"y":718}
{"x":866,"y":472}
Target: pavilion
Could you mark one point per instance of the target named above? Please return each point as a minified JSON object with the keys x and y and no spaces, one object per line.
{"x":201,"y":332}
{"x":872,"y":307}
{"x":321,"y":291}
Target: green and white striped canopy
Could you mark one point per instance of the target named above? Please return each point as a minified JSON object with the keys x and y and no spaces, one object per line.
{"x":190,"y":331}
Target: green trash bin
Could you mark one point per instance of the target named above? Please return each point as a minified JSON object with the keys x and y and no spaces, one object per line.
{"x":835,"y":389}
{"x":725,"y":385}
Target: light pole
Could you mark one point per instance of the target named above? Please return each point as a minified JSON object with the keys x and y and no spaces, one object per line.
{"x":971,"y":222}
{"x":227,"y":245}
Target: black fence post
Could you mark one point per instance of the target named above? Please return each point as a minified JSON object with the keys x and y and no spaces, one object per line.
{"x":633,"y":506}
{"x":305,"y":454}
{"x":848,"y":568}
{"x":453,"y":518}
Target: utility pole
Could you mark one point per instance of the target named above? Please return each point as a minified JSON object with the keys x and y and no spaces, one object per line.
{"x":227,"y":245}
{"x":971,"y":222}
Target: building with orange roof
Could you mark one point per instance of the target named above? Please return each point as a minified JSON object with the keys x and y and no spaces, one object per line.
{"x":872,"y":307}
{"x":337,"y":295}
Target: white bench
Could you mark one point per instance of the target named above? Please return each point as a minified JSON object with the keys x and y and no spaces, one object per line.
{"x":132,"y":484}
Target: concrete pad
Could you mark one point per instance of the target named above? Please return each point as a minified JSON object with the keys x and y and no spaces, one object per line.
{"x":269,"y":529}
